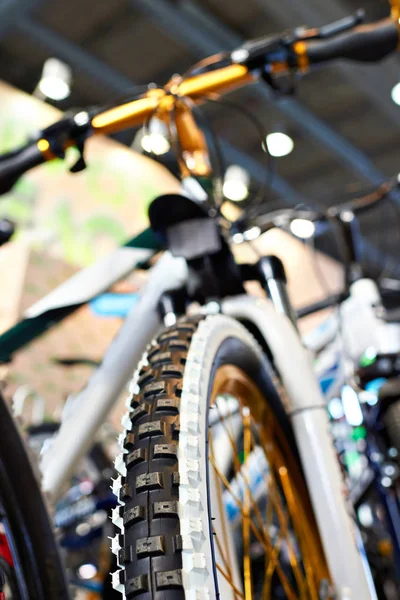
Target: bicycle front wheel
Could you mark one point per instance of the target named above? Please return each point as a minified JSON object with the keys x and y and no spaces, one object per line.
{"x":213,"y":503}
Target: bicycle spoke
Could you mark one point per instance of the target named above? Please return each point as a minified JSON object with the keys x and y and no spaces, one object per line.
{"x":269,"y":571}
{"x":283,"y":519}
{"x":293,"y":510}
{"x":264,"y":541}
{"x":227,"y":578}
{"x":223,"y":524}
{"x":246,"y":512}
{"x":269,"y":502}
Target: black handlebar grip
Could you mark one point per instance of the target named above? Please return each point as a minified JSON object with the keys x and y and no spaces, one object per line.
{"x":365,"y":43}
{"x":14,"y":164}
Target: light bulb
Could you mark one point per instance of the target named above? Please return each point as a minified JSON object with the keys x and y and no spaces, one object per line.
{"x":155,"y":143}
{"x":302,"y":228}
{"x":56,"y":78}
{"x":87,"y":571}
{"x":236,"y":183}
{"x":279,"y":144}
{"x":396,"y":93}
{"x":54,"y":88}
{"x":235,"y":190}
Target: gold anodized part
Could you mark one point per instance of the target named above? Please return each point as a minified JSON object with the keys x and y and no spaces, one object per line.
{"x":395,"y":9}
{"x":44,"y":147}
{"x":300,"y":49}
{"x":194,"y":158}
{"x":395,"y":14}
{"x":168,"y":105}
{"x":196,"y":88}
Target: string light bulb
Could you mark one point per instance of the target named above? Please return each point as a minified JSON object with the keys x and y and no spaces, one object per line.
{"x":236,"y":183}
{"x":156,"y":141}
{"x":279,"y":144}
{"x":302,"y":228}
{"x":55,"y":82}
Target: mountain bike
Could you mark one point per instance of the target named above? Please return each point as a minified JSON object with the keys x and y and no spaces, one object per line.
{"x":228,"y":482}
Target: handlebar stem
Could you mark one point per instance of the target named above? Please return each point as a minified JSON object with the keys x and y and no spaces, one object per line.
{"x":194,"y":159}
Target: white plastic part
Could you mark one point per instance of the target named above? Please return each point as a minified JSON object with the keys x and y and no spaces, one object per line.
{"x":356,"y":329}
{"x":311,"y":428}
{"x":95,"y":279}
{"x":360,"y":324}
{"x":193,"y":189}
{"x":351,"y":406}
{"x":324,"y":334}
{"x":366,"y":290}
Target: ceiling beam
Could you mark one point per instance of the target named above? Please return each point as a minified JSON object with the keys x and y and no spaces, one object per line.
{"x":11,"y":12}
{"x":187,"y":20}
{"x":98,"y":71}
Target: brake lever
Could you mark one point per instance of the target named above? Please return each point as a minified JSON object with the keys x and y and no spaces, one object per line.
{"x":345,"y":24}
{"x":73,"y":129}
{"x":332,"y":29}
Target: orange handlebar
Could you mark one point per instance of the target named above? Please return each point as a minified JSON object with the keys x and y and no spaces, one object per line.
{"x":362,"y":43}
{"x":196,"y":88}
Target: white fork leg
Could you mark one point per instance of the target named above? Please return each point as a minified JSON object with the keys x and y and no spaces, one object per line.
{"x":310,"y":423}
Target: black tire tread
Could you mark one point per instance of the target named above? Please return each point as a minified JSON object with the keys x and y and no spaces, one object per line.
{"x":151,"y":553}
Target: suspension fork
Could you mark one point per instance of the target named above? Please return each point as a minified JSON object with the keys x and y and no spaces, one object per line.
{"x":306,"y":407}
